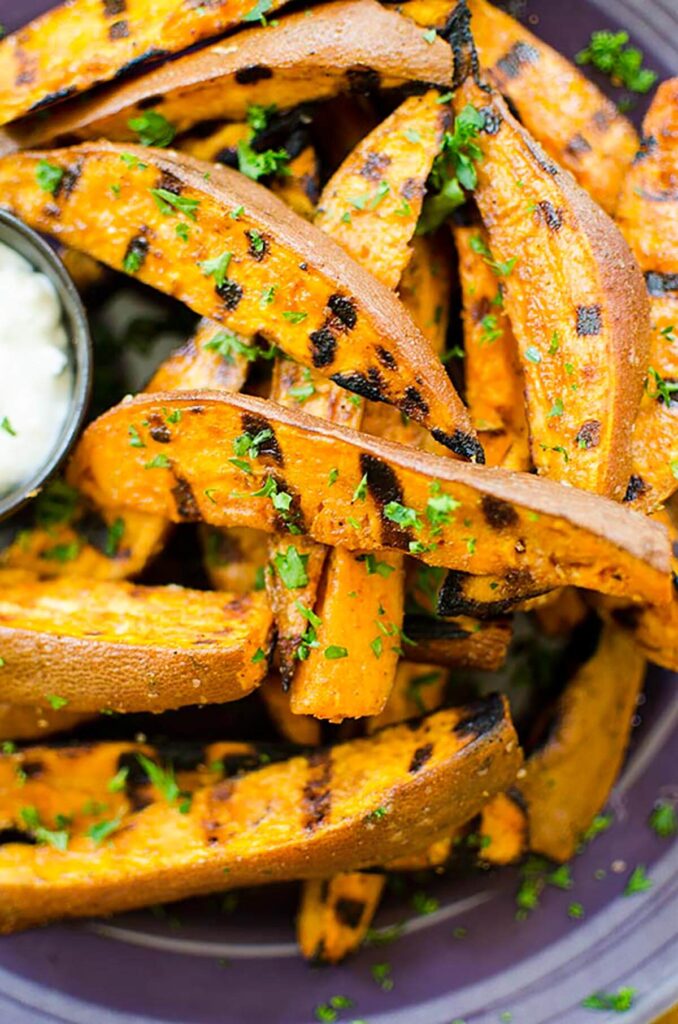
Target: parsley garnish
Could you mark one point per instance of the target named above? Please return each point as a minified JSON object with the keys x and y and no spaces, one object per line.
{"x":332,"y":476}
{"x":48,"y":176}
{"x":62,"y":552}
{"x":162,"y":778}
{"x":334,"y":652}
{"x":291,"y":568}
{"x":638,"y":881}
{"x":228,"y":345}
{"x":402,"y":515}
{"x":7,"y":426}
{"x":664,"y":819}
{"x":258,"y":656}
{"x":453,"y":169}
{"x":135,"y":438}
{"x":217,"y":268}
{"x":607,"y":51}
{"x":619,"y":1001}
{"x":490,"y":329}
{"x":103,"y":829}
{"x":160,"y":461}
{"x":663,"y":389}
{"x":119,"y":781}
{"x":295,"y":317}
{"x":257,"y":13}
{"x":360,"y":492}
{"x":381,"y":973}
{"x":480,"y":247}
{"x":424,"y":904}
{"x":259,"y":165}
{"x":56,"y":702}
{"x":57,"y":838}
{"x":153,"y":129}
{"x":374,"y":566}
{"x":167,"y":202}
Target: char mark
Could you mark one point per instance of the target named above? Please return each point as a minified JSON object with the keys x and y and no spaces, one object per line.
{"x":230,"y":292}
{"x":348,"y":912}
{"x":16,"y":835}
{"x":135,"y":253}
{"x":384,"y":487}
{"x":170,"y":183}
{"x":150,"y":101}
{"x":520,"y":55}
{"x":114,"y":8}
{"x":424,"y":627}
{"x":363,"y":80}
{"x":323,"y":347}
{"x":152,"y":54}
{"x":635,"y":489}
{"x":258,"y":246}
{"x":253,"y":424}
{"x":344,"y":310}
{"x":481,"y":717}
{"x":498,"y":514}
{"x":588,"y":435}
{"x":660,"y":284}
{"x":551,"y":215}
{"x":628,"y":618}
{"x":252,"y":73}
{"x":578,"y":145}
{"x":462,"y":444}
{"x":159,"y":430}
{"x":517,"y":586}
{"x":420,"y":757}
{"x":493,"y":120}
{"x":53,"y":97}
{"x":317,"y":794}
{"x":366,"y":385}
{"x":540,"y":156}
{"x":412,"y":188}
{"x":386,"y":358}
{"x":119,"y":30}
{"x":414,"y":404}
{"x":374,"y":166}
{"x":589,"y":321}
{"x":184,"y":499}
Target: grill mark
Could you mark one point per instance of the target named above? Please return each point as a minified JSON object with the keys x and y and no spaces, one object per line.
{"x":159,"y":430}
{"x":368,"y":385}
{"x":349,"y":912}
{"x":112,"y":8}
{"x":136,"y":780}
{"x":154,"y":53}
{"x":254,"y":424}
{"x":384,"y":487}
{"x":551,"y":215}
{"x":317,"y":794}
{"x":228,"y":156}
{"x":184,"y":499}
{"x":462,"y":444}
{"x":386,"y":358}
{"x":375,"y":165}
{"x":149,"y":101}
{"x":230,"y":292}
{"x":498,"y":514}
{"x":659,"y":284}
{"x":519,"y":56}
{"x":118,"y":30}
{"x":170,"y":183}
{"x":137,"y":247}
{"x":344,"y":310}
{"x":49,"y":98}
{"x":323,"y":347}
{"x":412,"y":188}
{"x":420,"y":757}
{"x":293,"y":518}
{"x":252,"y":73}
{"x":363,"y":80}
{"x":425,"y":627}
{"x":32,"y":769}
{"x":518,"y":585}
{"x":589,"y":321}
{"x":16,"y":835}
{"x":578,"y":145}
{"x":493,"y":120}
{"x":540,"y":156}
{"x":481,"y":717}
{"x":628,"y":618}
{"x":414,"y":404}
{"x":588,"y":435}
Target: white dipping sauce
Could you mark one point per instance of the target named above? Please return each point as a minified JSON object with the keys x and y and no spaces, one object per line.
{"x":35,"y":379}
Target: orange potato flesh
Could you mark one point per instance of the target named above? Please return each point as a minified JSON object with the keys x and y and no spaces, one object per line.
{"x":576,"y":301}
{"x":197,"y":365}
{"x":575,"y":123}
{"x":325,"y":311}
{"x":19,"y":722}
{"x":520,"y":523}
{"x":235,"y":559}
{"x":648,"y":218}
{"x":340,"y":47}
{"x":503,"y":830}
{"x":335,"y":914}
{"x":128,"y":648}
{"x":302,"y":729}
{"x":461,"y":642}
{"x":344,"y":809}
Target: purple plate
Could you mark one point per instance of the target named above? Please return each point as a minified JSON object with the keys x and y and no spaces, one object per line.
{"x":196,"y":965}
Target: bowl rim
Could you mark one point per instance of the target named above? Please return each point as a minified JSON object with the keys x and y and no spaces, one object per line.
{"x":40,"y":254}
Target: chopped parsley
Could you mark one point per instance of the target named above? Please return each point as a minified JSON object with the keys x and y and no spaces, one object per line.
{"x":334,"y":652}
{"x":217,"y":267}
{"x":162,"y":778}
{"x":119,"y":781}
{"x":664,"y":819}
{"x":638,"y":881}
{"x":618,"y":1002}
{"x":259,"y":655}
{"x":424,"y":904}
{"x":48,"y":176}
{"x":402,"y":515}
{"x":556,"y":409}
{"x":375,"y":567}
{"x":382,"y":975}
{"x":600,"y":824}
{"x":259,"y":165}
{"x":607,"y":52}
{"x":62,"y":553}
{"x":7,"y":427}
{"x":103,"y":829}
{"x":332,"y":476}
{"x":360,"y":492}
{"x":480,"y":247}
{"x":489,"y":329}
{"x":663,"y":389}
{"x":135,"y":438}
{"x":56,"y":702}
{"x":258,"y":12}
{"x":575,"y":911}
{"x":453,"y":169}
{"x":291,"y":568}
{"x":228,"y":345}
{"x":182,"y":231}
{"x":153,"y":129}
{"x":58,"y":838}
{"x":159,"y":461}
{"x":168,"y":203}
{"x":295,"y":316}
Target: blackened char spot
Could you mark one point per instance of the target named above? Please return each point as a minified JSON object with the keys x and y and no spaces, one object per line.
{"x":635,"y":489}
{"x":317,"y":795}
{"x":462,"y":444}
{"x":152,"y":54}
{"x":349,"y":912}
{"x":119,"y":30}
{"x":323,"y":347}
{"x":112,"y":8}
{"x":386,"y":358}
{"x":362,"y":79}
{"x":578,"y":145}
{"x":648,"y":146}
{"x":540,"y":156}
{"x":52,"y":97}
{"x":498,"y":514}
{"x":230,"y":292}
{"x":368,"y":385}
{"x":628,"y":618}
{"x":343,"y":309}
{"x":425,"y":627}
{"x":457,"y":32}
{"x":149,"y":101}
{"x":170,"y":183}
{"x":602,"y":119}
{"x":184,"y":499}
{"x":136,"y":253}
{"x":589,"y":321}
{"x":69,"y":180}
{"x":512,"y":63}
{"x":16,"y":835}
{"x":32,"y":769}
{"x":159,"y":430}
{"x":384,"y":487}
{"x":228,"y":156}
{"x":481,"y":717}
{"x":420,"y":757}
{"x":254,"y":424}
{"x":183,"y":755}
{"x":412,"y":188}
{"x":517,"y":586}
{"x":414,"y":404}
{"x":136,"y":779}
{"x":661,"y":284}
{"x":94,"y":529}
{"x":588,"y":435}
{"x":493,"y":120}
{"x":552,"y":216}
{"x":258,"y":246}
{"x":252,"y":73}
{"x":375,"y":165}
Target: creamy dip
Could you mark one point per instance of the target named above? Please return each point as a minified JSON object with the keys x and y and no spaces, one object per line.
{"x":35,"y":379}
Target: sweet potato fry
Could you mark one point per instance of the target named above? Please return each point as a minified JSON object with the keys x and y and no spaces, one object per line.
{"x":325,"y":311}
{"x":353,"y":46}
{"x":462,"y":642}
{"x":648,"y":217}
{"x":335,"y":914}
{"x":19,"y":722}
{"x":343,"y":809}
{"x":576,"y":301}
{"x":101,"y":645}
{"x":512,"y":522}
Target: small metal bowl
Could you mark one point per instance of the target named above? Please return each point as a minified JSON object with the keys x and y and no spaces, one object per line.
{"x":15,"y":234}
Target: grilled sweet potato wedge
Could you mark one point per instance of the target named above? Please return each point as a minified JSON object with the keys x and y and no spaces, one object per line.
{"x":207,"y":360}
{"x":335,"y":914}
{"x":313,"y":815}
{"x":301,"y":729}
{"x":28,"y":723}
{"x":83,"y":44}
{"x":326,"y":312}
{"x":576,"y":301}
{"x":504,"y":829}
{"x":462,"y":642}
{"x":512,"y":522}
{"x":353,"y":46}
{"x":120,"y":646}
{"x":235,"y":559}
{"x":648,"y":217}
{"x":377,"y":192}
{"x":492,"y":372}
{"x":575,"y":123}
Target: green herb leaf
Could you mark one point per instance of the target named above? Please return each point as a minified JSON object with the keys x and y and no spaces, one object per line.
{"x":217,"y":268}
{"x":382,"y":974}
{"x":167,"y":202}
{"x":334,"y":652}
{"x":48,"y":176}
{"x":295,"y":317}
{"x":607,"y":51}
{"x":153,"y":129}
{"x":7,"y":427}
{"x":618,"y":1002}
{"x":291,"y":568}
{"x":162,"y":778}
{"x":58,"y":838}
{"x":402,"y":515}
{"x":374,"y":566}
{"x":664,"y":819}
{"x":259,"y":165}
{"x":160,"y":461}
{"x":119,"y":780}
{"x":56,"y":702}
{"x":103,"y":829}
{"x":360,"y":492}
{"x":638,"y":881}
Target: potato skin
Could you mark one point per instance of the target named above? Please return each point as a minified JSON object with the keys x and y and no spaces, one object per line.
{"x":564,"y":535}
{"x":327,"y":312}
{"x":342,"y":47}
{"x":127,"y":648}
{"x":304,"y":818}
